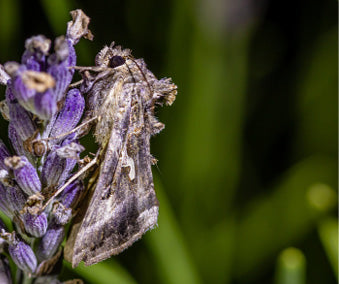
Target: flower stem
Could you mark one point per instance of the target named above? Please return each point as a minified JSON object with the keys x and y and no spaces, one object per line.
{"x":27,"y":279}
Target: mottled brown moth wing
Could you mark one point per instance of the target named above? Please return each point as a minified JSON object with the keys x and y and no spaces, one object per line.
{"x":123,"y":205}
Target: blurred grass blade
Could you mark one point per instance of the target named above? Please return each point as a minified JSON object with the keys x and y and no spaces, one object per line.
{"x":328,"y":232}
{"x":57,"y":12}
{"x":104,"y":273}
{"x":291,"y":267}
{"x":7,"y":221}
{"x":284,"y":217}
{"x":9,"y":23}
{"x":318,"y":97}
{"x":168,"y":247}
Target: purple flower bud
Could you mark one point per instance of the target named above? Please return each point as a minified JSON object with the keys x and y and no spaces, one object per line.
{"x":16,"y":198}
{"x":4,"y":153}
{"x":23,"y":256}
{"x":56,"y":169}
{"x":58,"y":66}
{"x":71,"y":195}
{"x":60,"y":162}
{"x":61,"y":48}
{"x":4,"y":77}
{"x":5,"y":206}
{"x":61,"y":215}
{"x":63,"y":77}
{"x":35,"y":225}
{"x":21,"y":90}
{"x":19,"y":117}
{"x":5,"y":272}
{"x":45,"y":104}
{"x":25,"y":174}
{"x":51,"y":241}
{"x":71,"y":113}
{"x":17,"y":142}
{"x":72,"y":57}
{"x":37,"y":48}
{"x":29,"y":88}
{"x":78,"y":27}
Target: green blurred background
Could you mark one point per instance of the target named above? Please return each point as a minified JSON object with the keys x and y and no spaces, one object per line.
{"x":247,"y":171}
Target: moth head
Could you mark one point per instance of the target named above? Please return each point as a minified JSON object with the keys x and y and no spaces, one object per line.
{"x":112,"y":56}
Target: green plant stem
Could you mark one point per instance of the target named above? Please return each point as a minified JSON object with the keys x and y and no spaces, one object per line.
{"x":26,"y":279}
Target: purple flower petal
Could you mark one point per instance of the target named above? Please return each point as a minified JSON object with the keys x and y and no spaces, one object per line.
{"x":71,"y":113}
{"x":19,"y":117}
{"x":23,"y":256}
{"x":20,"y":89}
{"x":45,"y":105}
{"x":37,"y":47}
{"x":72,"y":57}
{"x":58,"y":66}
{"x":63,"y":78}
{"x":30,"y":87}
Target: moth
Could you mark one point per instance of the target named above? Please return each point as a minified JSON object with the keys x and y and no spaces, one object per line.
{"x":121,"y":95}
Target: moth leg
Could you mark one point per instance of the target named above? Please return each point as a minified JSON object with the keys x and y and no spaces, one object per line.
{"x":69,"y":181}
{"x":75,"y":84}
{"x":85,"y":125}
{"x":89,"y":68}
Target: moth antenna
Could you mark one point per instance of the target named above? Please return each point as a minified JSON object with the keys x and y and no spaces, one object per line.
{"x":142,"y":72}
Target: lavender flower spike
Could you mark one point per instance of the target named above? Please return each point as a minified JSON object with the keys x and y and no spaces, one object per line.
{"x":23,"y":256}
{"x":42,"y":112}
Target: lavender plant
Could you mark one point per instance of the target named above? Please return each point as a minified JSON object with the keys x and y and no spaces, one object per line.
{"x":40,"y":107}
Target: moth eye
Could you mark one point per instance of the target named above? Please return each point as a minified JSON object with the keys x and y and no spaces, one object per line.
{"x":116,"y":61}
